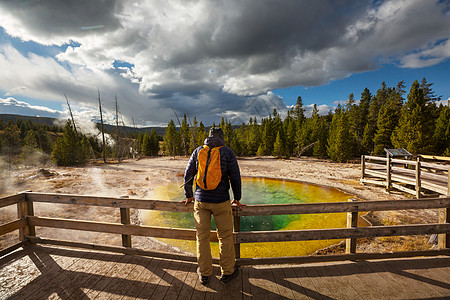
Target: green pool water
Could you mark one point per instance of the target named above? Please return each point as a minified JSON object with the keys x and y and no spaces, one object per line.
{"x":260,"y":191}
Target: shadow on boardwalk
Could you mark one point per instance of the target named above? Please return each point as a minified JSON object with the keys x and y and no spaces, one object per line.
{"x":39,"y":272}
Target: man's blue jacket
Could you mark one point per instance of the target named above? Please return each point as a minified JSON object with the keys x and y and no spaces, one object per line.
{"x":230,"y":175}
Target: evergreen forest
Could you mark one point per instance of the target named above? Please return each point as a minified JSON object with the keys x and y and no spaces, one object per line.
{"x":389,"y":118}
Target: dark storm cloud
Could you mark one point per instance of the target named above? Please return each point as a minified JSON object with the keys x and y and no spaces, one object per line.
{"x":54,"y":21}
{"x":218,"y":58}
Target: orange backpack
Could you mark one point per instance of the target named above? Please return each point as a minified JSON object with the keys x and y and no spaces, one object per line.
{"x":209,"y":172}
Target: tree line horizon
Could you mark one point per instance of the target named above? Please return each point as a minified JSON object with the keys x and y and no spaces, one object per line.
{"x":389,"y":118}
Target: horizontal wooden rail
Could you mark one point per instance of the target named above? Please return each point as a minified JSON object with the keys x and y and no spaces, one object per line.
{"x":331,"y":234}
{"x":12,"y":248}
{"x":375,"y":157}
{"x":434,"y":166}
{"x":11,"y":226}
{"x":158,"y":232}
{"x":116,"y":249}
{"x":10,"y":200}
{"x":252,"y":210}
{"x":161,"y":205}
{"x":446,"y":158}
{"x":339,"y":207}
{"x":403,"y":162}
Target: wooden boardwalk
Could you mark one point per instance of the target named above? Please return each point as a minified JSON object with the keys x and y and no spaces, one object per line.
{"x":44,"y":272}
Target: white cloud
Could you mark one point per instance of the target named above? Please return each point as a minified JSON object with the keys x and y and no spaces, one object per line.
{"x":13,"y":106}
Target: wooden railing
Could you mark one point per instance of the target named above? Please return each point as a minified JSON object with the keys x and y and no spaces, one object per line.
{"x":27,"y":221}
{"x":395,"y":173}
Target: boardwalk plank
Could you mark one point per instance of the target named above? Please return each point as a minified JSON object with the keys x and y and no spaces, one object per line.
{"x":189,"y":283}
{"x":104,"y":280}
{"x":255,"y":280}
{"x":148,"y":271}
{"x":350,"y":271}
{"x":306,"y":282}
{"x":282,"y":283}
{"x":199,"y":290}
{"x":154,"y":281}
{"x":246,"y":286}
{"x":66,"y":276}
{"x":402,"y":287}
{"x":178,"y":280}
{"x":234,"y":287}
{"x":319,"y":282}
{"x":105,"y":263}
{"x":30,"y":273}
{"x":332,"y":282}
{"x":112,"y":288}
{"x":344,"y":284}
{"x":131,"y":279}
{"x":167,"y":278}
{"x":216,"y":289}
{"x":52,"y":273}
{"x":81,"y":274}
{"x":294,"y":283}
{"x":383,"y":288}
{"x":424,"y":277}
{"x":269,"y":283}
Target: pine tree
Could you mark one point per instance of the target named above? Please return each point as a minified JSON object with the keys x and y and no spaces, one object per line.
{"x":140,"y":140}
{"x":30,"y":151}
{"x":416,"y":124}
{"x":321,"y":135}
{"x":278,"y":147}
{"x":194,"y":136}
{"x":185,"y":135}
{"x":154,"y":143}
{"x":441,"y":135}
{"x":374,"y":109}
{"x":340,"y":138}
{"x":386,"y":125}
{"x":171,"y":140}
{"x":201,"y":134}
{"x":68,"y":149}
{"x":146,"y":145}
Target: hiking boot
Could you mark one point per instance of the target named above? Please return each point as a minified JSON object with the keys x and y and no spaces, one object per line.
{"x":203,"y":279}
{"x":226,"y":278}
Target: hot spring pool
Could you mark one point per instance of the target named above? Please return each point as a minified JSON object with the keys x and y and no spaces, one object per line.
{"x":260,"y":191}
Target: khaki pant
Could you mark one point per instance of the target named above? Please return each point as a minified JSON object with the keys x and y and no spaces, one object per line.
{"x":224,"y":223}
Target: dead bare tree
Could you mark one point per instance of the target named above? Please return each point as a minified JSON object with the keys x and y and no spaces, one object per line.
{"x":118,"y":138}
{"x":101,"y":123}
{"x":183,"y":139}
{"x":71,"y":115}
{"x":306,"y":148}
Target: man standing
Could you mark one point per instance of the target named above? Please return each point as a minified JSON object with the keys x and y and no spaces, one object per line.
{"x":214,"y":201}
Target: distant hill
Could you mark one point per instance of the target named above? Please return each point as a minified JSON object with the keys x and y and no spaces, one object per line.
{"x":38,"y":120}
{"x":51,"y":122}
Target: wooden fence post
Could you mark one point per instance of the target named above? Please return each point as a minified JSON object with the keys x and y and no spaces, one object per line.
{"x":418,"y":183}
{"x":125,"y":219}
{"x":352,"y":222}
{"x":388,"y":172}
{"x":237,"y":228}
{"x":444,"y":217}
{"x":25,"y":208}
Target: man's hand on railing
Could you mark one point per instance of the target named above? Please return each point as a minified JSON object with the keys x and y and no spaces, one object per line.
{"x":188,"y":200}
{"x":239,"y":204}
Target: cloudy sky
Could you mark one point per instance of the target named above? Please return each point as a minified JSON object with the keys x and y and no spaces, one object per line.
{"x":209,"y":59}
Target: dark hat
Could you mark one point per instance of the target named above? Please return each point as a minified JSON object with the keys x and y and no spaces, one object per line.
{"x":216,"y":131}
